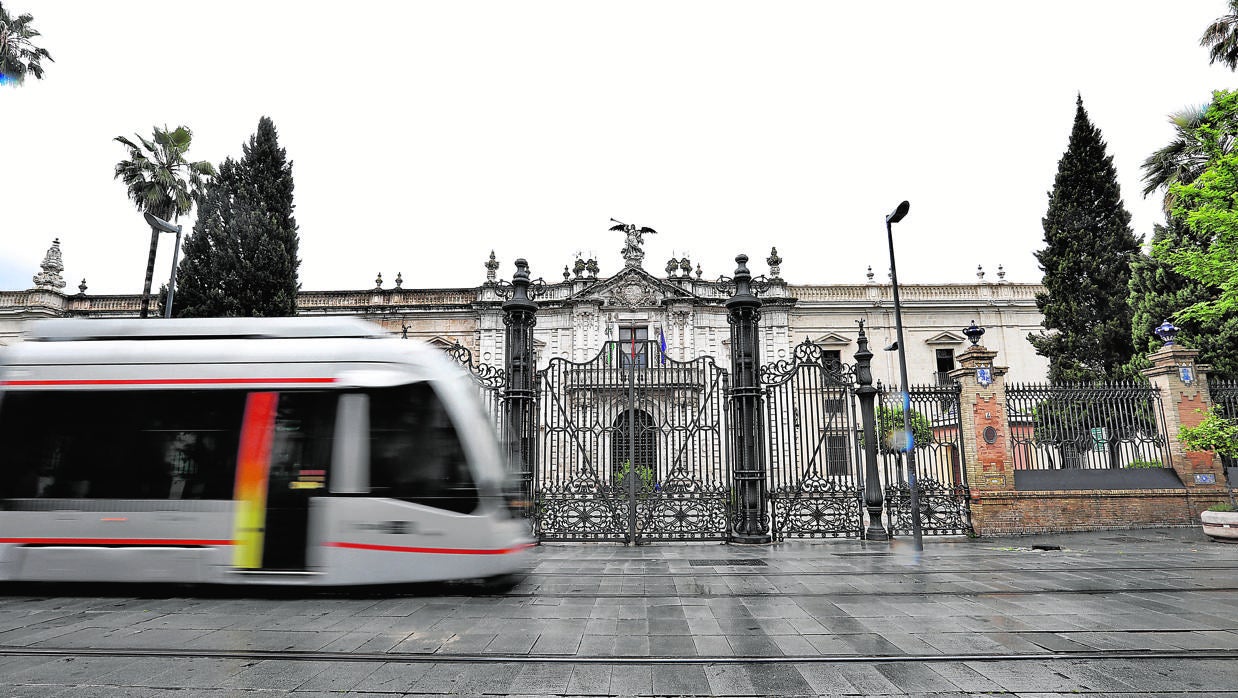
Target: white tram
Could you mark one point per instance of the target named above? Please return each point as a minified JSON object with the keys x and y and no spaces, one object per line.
{"x":284,"y":450}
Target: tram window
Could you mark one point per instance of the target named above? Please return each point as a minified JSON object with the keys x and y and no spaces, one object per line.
{"x":119,"y":444}
{"x":415,"y":453}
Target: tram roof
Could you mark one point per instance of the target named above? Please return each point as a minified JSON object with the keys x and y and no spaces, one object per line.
{"x":69,"y":330}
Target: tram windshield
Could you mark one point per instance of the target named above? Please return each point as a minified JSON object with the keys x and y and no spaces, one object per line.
{"x":415,"y":452}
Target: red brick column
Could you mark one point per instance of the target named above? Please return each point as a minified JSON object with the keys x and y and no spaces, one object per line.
{"x":1183,"y":385}
{"x":982,"y":411}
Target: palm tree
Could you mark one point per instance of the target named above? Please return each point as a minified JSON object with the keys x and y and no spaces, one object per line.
{"x":1201,"y":133}
{"x":1221,"y":38}
{"x":18,"y":54}
{"x":155,"y":174}
{"x":1182,"y":160}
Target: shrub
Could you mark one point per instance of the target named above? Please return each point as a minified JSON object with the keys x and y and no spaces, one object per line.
{"x":1145,"y":464}
{"x":1215,"y":433}
{"x":1222,"y":507}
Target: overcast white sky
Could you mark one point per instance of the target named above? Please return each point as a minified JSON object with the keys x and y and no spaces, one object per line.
{"x":423,"y":135}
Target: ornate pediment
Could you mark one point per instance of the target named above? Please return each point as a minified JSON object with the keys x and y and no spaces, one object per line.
{"x":945,"y":338}
{"x":832,"y":339}
{"x":632,"y":288}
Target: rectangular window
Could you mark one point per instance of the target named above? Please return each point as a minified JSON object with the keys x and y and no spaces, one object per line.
{"x":945,"y":364}
{"x":119,"y":444}
{"x":641,"y":337}
{"x":837,"y":463}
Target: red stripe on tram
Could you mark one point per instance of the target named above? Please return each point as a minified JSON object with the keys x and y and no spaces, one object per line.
{"x":437,"y":551}
{"x":114,"y":541}
{"x":167,"y":381}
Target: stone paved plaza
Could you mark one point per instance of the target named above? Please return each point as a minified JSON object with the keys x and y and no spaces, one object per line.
{"x":1147,"y":612}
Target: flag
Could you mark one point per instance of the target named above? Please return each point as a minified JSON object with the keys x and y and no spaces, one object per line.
{"x":662,"y":345}
{"x":633,"y":335}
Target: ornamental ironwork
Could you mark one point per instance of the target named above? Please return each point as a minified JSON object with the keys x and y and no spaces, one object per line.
{"x":815,"y":462}
{"x":941,"y":469}
{"x":632,"y":451}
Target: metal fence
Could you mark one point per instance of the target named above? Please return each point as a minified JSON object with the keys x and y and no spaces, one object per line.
{"x":1095,"y":426}
{"x":1225,"y":396}
{"x":941,"y":470}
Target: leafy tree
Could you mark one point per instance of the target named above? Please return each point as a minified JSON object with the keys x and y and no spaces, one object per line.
{"x":161,"y":182}
{"x":19,"y":56}
{"x":1086,"y":262}
{"x":1207,"y":206}
{"x":1158,"y":292}
{"x":241,"y":260}
{"x":1221,"y":38}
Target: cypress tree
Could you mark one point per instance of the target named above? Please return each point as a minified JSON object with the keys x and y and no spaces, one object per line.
{"x":1086,"y":261}
{"x":241,"y":260}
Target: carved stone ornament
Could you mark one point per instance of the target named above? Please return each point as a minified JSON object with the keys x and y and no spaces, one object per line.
{"x":679,"y":319}
{"x":49,"y":279}
{"x":585,"y":318}
{"x":635,"y":293}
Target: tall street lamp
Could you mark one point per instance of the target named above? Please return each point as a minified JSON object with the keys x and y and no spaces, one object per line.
{"x":908,"y":441}
{"x":158,"y":225}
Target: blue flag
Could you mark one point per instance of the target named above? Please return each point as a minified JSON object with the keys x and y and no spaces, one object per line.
{"x":662,"y":344}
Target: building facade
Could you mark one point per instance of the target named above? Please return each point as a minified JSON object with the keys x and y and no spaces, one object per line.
{"x":582,"y":311}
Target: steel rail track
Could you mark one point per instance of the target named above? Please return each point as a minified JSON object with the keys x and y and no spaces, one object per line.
{"x":419,"y":658}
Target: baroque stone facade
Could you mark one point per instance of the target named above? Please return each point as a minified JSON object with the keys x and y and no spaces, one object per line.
{"x":579,"y":314}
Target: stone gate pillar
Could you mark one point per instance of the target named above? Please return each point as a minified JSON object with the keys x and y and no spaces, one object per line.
{"x":1185,"y":400}
{"x":520,"y":364}
{"x":747,"y":417}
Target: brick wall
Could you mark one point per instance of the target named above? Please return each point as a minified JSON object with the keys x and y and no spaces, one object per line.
{"x":1016,"y":513}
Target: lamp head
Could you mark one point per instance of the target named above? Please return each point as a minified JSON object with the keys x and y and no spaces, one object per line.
{"x":899,"y":213}
{"x":159,"y":224}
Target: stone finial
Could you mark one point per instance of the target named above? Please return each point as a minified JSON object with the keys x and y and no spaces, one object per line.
{"x":567,"y":273}
{"x":870,"y":274}
{"x":685,"y":265}
{"x":399,"y":279}
{"x":1001,"y":273}
{"x":979,"y":272}
{"x":774,"y":262}
{"x":378,"y":281}
{"x":591,"y":266}
{"x":81,"y":288}
{"x":49,"y":279}
{"x":698,"y":271}
{"x":492,"y":268}
{"x":672,"y":265}
{"x":579,"y":267}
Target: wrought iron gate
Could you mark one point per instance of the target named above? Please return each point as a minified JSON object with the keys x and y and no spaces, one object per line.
{"x":815,"y":460}
{"x":941,"y":472}
{"x":633,"y":448}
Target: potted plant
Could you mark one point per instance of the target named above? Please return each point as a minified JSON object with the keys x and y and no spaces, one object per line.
{"x":1220,"y":435}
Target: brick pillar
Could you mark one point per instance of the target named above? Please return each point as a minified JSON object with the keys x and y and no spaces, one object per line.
{"x":1184,"y":403}
{"x":985,"y":432}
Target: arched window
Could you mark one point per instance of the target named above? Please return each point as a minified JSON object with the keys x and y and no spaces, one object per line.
{"x":645,"y":455}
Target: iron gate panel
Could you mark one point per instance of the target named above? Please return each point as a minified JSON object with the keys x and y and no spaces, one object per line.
{"x":815,"y":458}
{"x":941,"y":469}
{"x":619,"y":422}
{"x":1225,"y":396}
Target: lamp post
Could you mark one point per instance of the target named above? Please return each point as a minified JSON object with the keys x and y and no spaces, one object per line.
{"x":158,"y":225}
{"x":908,"y":441}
